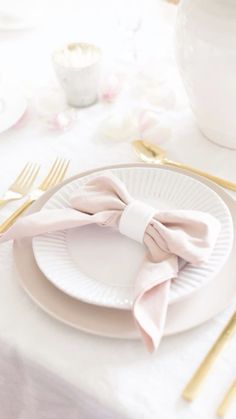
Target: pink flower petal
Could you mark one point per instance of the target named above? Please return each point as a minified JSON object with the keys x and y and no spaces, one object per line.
{"x":62,"y":121}
{"x":110,"y":90}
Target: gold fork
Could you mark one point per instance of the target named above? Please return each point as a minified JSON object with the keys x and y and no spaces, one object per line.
{"x":22,"y":184}
{"x":55,"y":175}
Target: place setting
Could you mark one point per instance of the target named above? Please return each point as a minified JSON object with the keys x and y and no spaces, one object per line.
{"x":160,"y":236}
{"x":102,"y":216}
{"x":136,"y":251}
{"x":108,"y":215}
{"x":61,"y":259}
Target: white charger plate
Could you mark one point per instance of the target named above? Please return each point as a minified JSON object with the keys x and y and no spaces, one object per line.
{"x":99,"y":266}
{"x":195,"y":309}
{"x":12,"y":106}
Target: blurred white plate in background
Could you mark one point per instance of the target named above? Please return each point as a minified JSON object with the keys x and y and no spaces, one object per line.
{"x":12,"y":106}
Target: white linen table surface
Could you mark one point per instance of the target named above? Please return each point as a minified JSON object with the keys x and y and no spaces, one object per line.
{"x":49,"y":370}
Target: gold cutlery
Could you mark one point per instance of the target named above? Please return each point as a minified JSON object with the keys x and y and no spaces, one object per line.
{"x":22,"y":184}
{"x":55,"y":175}
{"x":227,"y":400}
{"x":193,"y":387}
{"x":151,"y":153}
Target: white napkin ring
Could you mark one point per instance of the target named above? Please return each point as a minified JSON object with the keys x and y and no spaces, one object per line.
{"x":135,"y":219}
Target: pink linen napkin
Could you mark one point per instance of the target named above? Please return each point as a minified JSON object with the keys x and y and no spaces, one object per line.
{"x":167,"y":236}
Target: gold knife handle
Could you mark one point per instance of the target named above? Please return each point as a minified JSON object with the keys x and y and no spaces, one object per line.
{"x":195,"y":383}
{"x":227,"y":400}
{"x":12,"y":218}
{"x":222,"y":182}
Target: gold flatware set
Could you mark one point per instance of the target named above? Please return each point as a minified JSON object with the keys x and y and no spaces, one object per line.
{"x":21,"y":187}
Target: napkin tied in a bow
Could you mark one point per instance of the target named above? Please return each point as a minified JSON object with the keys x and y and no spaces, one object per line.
{"x":167,"y":236}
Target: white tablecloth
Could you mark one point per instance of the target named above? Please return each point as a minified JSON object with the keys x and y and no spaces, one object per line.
{"x":48,"y":370}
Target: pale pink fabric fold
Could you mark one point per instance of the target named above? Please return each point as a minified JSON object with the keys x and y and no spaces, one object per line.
{"x":185,"y":234}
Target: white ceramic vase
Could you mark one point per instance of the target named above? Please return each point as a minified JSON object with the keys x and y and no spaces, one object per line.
{"x":206,"y":54}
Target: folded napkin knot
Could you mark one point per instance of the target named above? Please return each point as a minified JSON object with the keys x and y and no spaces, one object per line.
{"x":135,"y":219}
{"x":188,"y":234}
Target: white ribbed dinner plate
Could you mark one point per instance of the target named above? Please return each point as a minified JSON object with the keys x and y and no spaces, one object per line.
{"x":99,"y":266}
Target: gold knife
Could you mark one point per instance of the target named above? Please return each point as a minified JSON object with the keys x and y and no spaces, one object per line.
{"x":194,"y":385}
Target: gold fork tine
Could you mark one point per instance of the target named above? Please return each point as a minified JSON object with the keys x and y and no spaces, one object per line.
{"x":21,"y":175}
{"x":29,"y":180}
{"x":56,"y":173}
{"x":46,"y":180}
{"x":26,"y":175}
{"x":22,"y":184}
{"x":59,"y":174}
{"x":63,"y":172}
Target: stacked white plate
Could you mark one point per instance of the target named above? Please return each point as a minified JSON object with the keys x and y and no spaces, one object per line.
{"x":85,"y":276}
